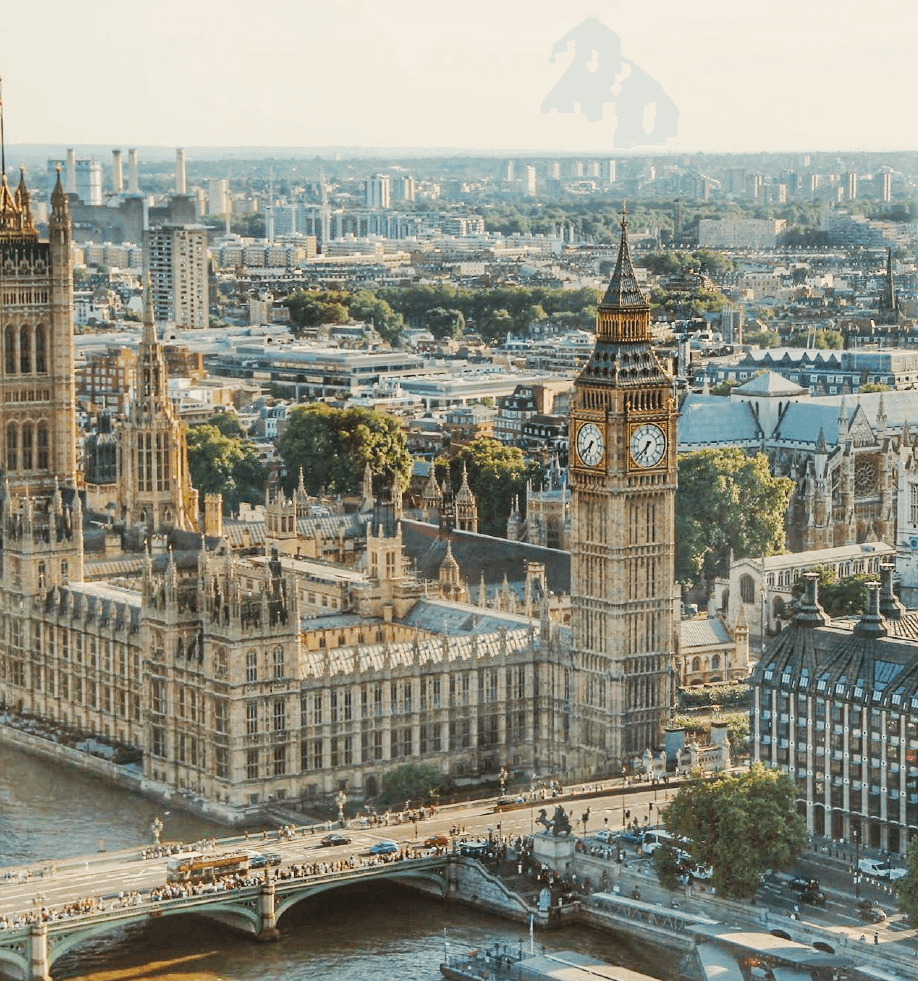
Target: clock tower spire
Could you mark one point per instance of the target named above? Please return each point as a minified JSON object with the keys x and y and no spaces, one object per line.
{"x":623,"y":485}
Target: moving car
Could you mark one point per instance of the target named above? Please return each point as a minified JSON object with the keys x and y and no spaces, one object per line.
{"x":334,"y":839}
{"x":384,"y":847}
{"x":880,"y":868}
{"x":437,"y":840}
{"x":807,"y":890}
{"x":604,"y":834}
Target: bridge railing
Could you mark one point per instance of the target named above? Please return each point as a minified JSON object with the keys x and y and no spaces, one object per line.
{"x":150,"y":907}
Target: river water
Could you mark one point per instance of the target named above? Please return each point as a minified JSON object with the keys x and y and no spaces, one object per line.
{"x":48,"y":811}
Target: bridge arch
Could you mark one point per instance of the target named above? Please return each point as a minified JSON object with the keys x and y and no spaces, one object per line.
{"x":428,"y":881}
{"x":241,"y":915}
{"x":14,"y":959}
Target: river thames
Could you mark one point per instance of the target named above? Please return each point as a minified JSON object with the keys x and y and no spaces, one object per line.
{"x":51,"y":812}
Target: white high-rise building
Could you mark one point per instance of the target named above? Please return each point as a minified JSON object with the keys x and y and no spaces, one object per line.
{"x":379,"y":191}
{"x":529,"y":186}
{"x":176,"y":260}
{"x":218,"y":196}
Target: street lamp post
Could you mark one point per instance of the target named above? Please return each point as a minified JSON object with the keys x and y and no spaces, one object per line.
{"x":858,"y":875}
{"x":341,"y":800}
{"x":503,"y":779}
{"x":624,"y":772}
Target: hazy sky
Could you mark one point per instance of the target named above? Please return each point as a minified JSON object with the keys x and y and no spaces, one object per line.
{"x":772,"y":75}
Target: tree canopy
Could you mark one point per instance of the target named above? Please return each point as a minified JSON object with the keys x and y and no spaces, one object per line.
{"x":333,"y":446}
{"x":497,"y":473}
{"x":412,"y":785}
{"x":907,"y":886}
{"x":224,"y":464}
{"x":727,"y":500}
{"x":740,"y":825}
{"x":839,"y":597}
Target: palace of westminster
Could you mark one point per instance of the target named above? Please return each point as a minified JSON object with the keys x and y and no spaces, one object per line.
{"x":309,"y":658}
{"x":300,"y":655}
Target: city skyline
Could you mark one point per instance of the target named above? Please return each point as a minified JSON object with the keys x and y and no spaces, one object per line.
{"x":357,"y":74}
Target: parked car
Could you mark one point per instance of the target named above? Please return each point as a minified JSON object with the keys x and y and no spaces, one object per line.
{"x":880,"y":868}
{"x":807,"y":890}
{"x":438,"y":840}
{"x":868,"y":911}
{"x":257,"y":860}
{"x":631,"y":836}
{"x":384,"y":847}
{"x":336,"y":840}
{"x":699,"y":871}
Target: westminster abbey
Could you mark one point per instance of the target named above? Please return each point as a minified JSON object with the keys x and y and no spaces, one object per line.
{"x":295,"y":657}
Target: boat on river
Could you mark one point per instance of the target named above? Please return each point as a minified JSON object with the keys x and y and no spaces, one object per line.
{"x":508,"y":962}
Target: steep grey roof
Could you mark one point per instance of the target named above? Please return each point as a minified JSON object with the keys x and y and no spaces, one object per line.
{"x":768,"y":383}
{"x":715,"y":420}
{"x":479,"y":555}
{"x":702,"y":632}
{"x":898,"y":407}
{"x":802,"y":421}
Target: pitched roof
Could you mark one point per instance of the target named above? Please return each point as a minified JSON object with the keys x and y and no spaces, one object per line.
{"x":702,"y":632}
{"x":714,"y":420}
{"x":768,"y":383}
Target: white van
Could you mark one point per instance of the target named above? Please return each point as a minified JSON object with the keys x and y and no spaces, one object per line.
{"x":656,"y":837}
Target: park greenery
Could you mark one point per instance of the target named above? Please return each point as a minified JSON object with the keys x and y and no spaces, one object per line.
{"x":739,"y":824}
{"x":222,"y":461}
{"x":698,"y":727}
{"x":496,"y":474}
{"x":446,"y":310}
{"x":907,"y":886}
{"x":727,"y":503}
{"x":332,"y":448}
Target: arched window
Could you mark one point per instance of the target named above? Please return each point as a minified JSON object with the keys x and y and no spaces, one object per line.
{"x":12,"y":447}
{"x":41,"y":349}
{"x":715,"y":662}
{"x":41,"y":442}
{"x":9,"y":350}
{"x":27,"y":458}
{"x":747,"y":589}
{"x":25,"y":350}
{"x":696,"y":664}
{"x":778,"y":607}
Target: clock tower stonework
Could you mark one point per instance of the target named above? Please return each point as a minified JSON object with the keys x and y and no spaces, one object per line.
{"x":623,"y":487}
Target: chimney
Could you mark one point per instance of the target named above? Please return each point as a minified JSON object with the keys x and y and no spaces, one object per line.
{"x":133,"y":187}
{"x":71,"y":172}
{"x":180,"y":171}
{"x":117,"y":173}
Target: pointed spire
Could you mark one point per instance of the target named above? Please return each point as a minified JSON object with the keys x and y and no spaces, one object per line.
{"x":821,"y":442}
{"x":149,"y":320}
{"x":842,"y":418}
{"x":623,"y":289}
{"x":906,"y":435}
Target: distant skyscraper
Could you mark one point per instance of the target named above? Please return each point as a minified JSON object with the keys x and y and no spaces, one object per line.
{"x":176,"y":259}
{"x":508,"y":171}
{"x":530,"y":184}
{"x":609,"y":171}
{"x":217,"y":197}
{"x":851,"y":185}
{"x":404,"y":189}
{"x":379,"y":191}
{"x":887,"y":187}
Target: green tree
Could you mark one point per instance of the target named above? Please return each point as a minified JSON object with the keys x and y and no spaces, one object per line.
{"x":496,"y":474}
{"x":839,"y":597}
{"x":367,"y":307}
{"x":333,"y":446}
{"x":667,"y":867}
{"x":311,"y":308}
{"x":414,"y":783}
{"x":224,"y":464}
{"x":740,"y":825}
{"x":907,"y":886}
{"x":443,"y":323}
{"x":726,"y":501}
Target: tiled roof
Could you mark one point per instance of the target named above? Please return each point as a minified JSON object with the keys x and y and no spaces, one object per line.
{"x":702,"y":632}
{"x":768,"y":383}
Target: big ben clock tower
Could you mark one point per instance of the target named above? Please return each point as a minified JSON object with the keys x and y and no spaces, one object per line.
{"x":623,"y":486}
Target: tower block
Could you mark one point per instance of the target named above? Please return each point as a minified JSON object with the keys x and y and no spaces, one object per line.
{"x":623,"y":487}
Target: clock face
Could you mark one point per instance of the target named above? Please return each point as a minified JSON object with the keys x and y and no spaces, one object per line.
{"x":648,"y":444}
{"x":590,"y":444}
